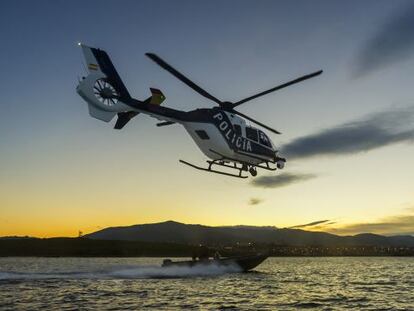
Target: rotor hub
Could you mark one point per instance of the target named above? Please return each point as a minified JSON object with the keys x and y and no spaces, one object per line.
{"x":228,"y":106}
{"x":107,"y":92}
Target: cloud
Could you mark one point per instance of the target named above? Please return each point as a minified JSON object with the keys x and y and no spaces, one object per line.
{"x":400,"y":224}
{"x":277,"y":181}
{"x":391,"y":44}
{"x":391,"y":225}
{"x":311,"y":224}
{"x":255,"y":201}
{"x":374,"y":131}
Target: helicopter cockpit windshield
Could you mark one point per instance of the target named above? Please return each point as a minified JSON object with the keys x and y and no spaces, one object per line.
{"x":264,"y":140}
{"x":258,"y":136}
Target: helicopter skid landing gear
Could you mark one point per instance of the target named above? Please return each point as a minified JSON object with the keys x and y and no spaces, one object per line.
{"x":237,"y":165}
{"x":219,"y":163}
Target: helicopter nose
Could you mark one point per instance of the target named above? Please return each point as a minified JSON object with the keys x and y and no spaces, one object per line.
{"x":277,"y":158}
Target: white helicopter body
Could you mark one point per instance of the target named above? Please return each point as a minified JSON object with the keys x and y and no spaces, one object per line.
{"x":221,"y":132}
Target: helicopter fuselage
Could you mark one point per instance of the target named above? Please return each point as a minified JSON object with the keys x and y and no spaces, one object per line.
{"x":217,"y":132}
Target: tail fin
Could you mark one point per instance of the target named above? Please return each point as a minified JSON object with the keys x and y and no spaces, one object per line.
{"x":98,"y":60}
{"x":105,"y":92}
{"x":102,"y":88}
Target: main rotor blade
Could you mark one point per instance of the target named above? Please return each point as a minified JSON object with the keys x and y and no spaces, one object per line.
{"x":257,"y":122}
{"x":181,"y":77}
{"x":278,"y":87}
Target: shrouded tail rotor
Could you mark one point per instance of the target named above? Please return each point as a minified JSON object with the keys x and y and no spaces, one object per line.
{"x":105,"y":92}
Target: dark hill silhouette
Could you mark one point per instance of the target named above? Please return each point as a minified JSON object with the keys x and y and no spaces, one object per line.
{"x":175,"y":232}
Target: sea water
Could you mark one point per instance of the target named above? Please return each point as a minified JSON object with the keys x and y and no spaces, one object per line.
{"x":335,"y":283}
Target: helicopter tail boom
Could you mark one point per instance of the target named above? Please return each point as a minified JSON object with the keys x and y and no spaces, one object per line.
{"x":156,"y":98}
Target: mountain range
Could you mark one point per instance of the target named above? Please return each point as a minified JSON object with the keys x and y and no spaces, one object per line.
{"x":175,"y":232}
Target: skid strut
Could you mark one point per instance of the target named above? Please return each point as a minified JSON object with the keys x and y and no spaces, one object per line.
{"x":237,"y":165}
{"x":267,"y":167}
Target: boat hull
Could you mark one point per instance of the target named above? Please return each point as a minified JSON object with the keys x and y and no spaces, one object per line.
{"x":245,"y":263}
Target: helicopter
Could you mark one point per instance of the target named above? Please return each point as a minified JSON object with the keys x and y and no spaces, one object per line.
{"x":221,"y":133}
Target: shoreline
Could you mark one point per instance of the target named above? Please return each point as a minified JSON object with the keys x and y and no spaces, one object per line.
{"x":83,"y":247}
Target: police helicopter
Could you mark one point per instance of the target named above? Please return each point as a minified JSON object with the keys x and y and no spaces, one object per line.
{"x":220,"y":132}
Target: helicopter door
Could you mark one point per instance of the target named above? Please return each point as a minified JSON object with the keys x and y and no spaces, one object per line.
{"x":237,"y":129}
{"x":251,"y":133}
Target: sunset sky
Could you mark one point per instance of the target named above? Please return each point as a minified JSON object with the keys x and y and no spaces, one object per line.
{"x":348,"y":134}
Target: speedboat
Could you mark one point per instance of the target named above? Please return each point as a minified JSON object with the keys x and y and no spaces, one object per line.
{"x":245,"y":263}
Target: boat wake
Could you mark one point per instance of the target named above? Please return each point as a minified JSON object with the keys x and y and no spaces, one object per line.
{"x":126,"y":272}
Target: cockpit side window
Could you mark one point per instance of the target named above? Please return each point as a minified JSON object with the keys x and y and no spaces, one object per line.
{"x":251,"y":133}
{"x":237,"y":129}
{"x":264,"y":140}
